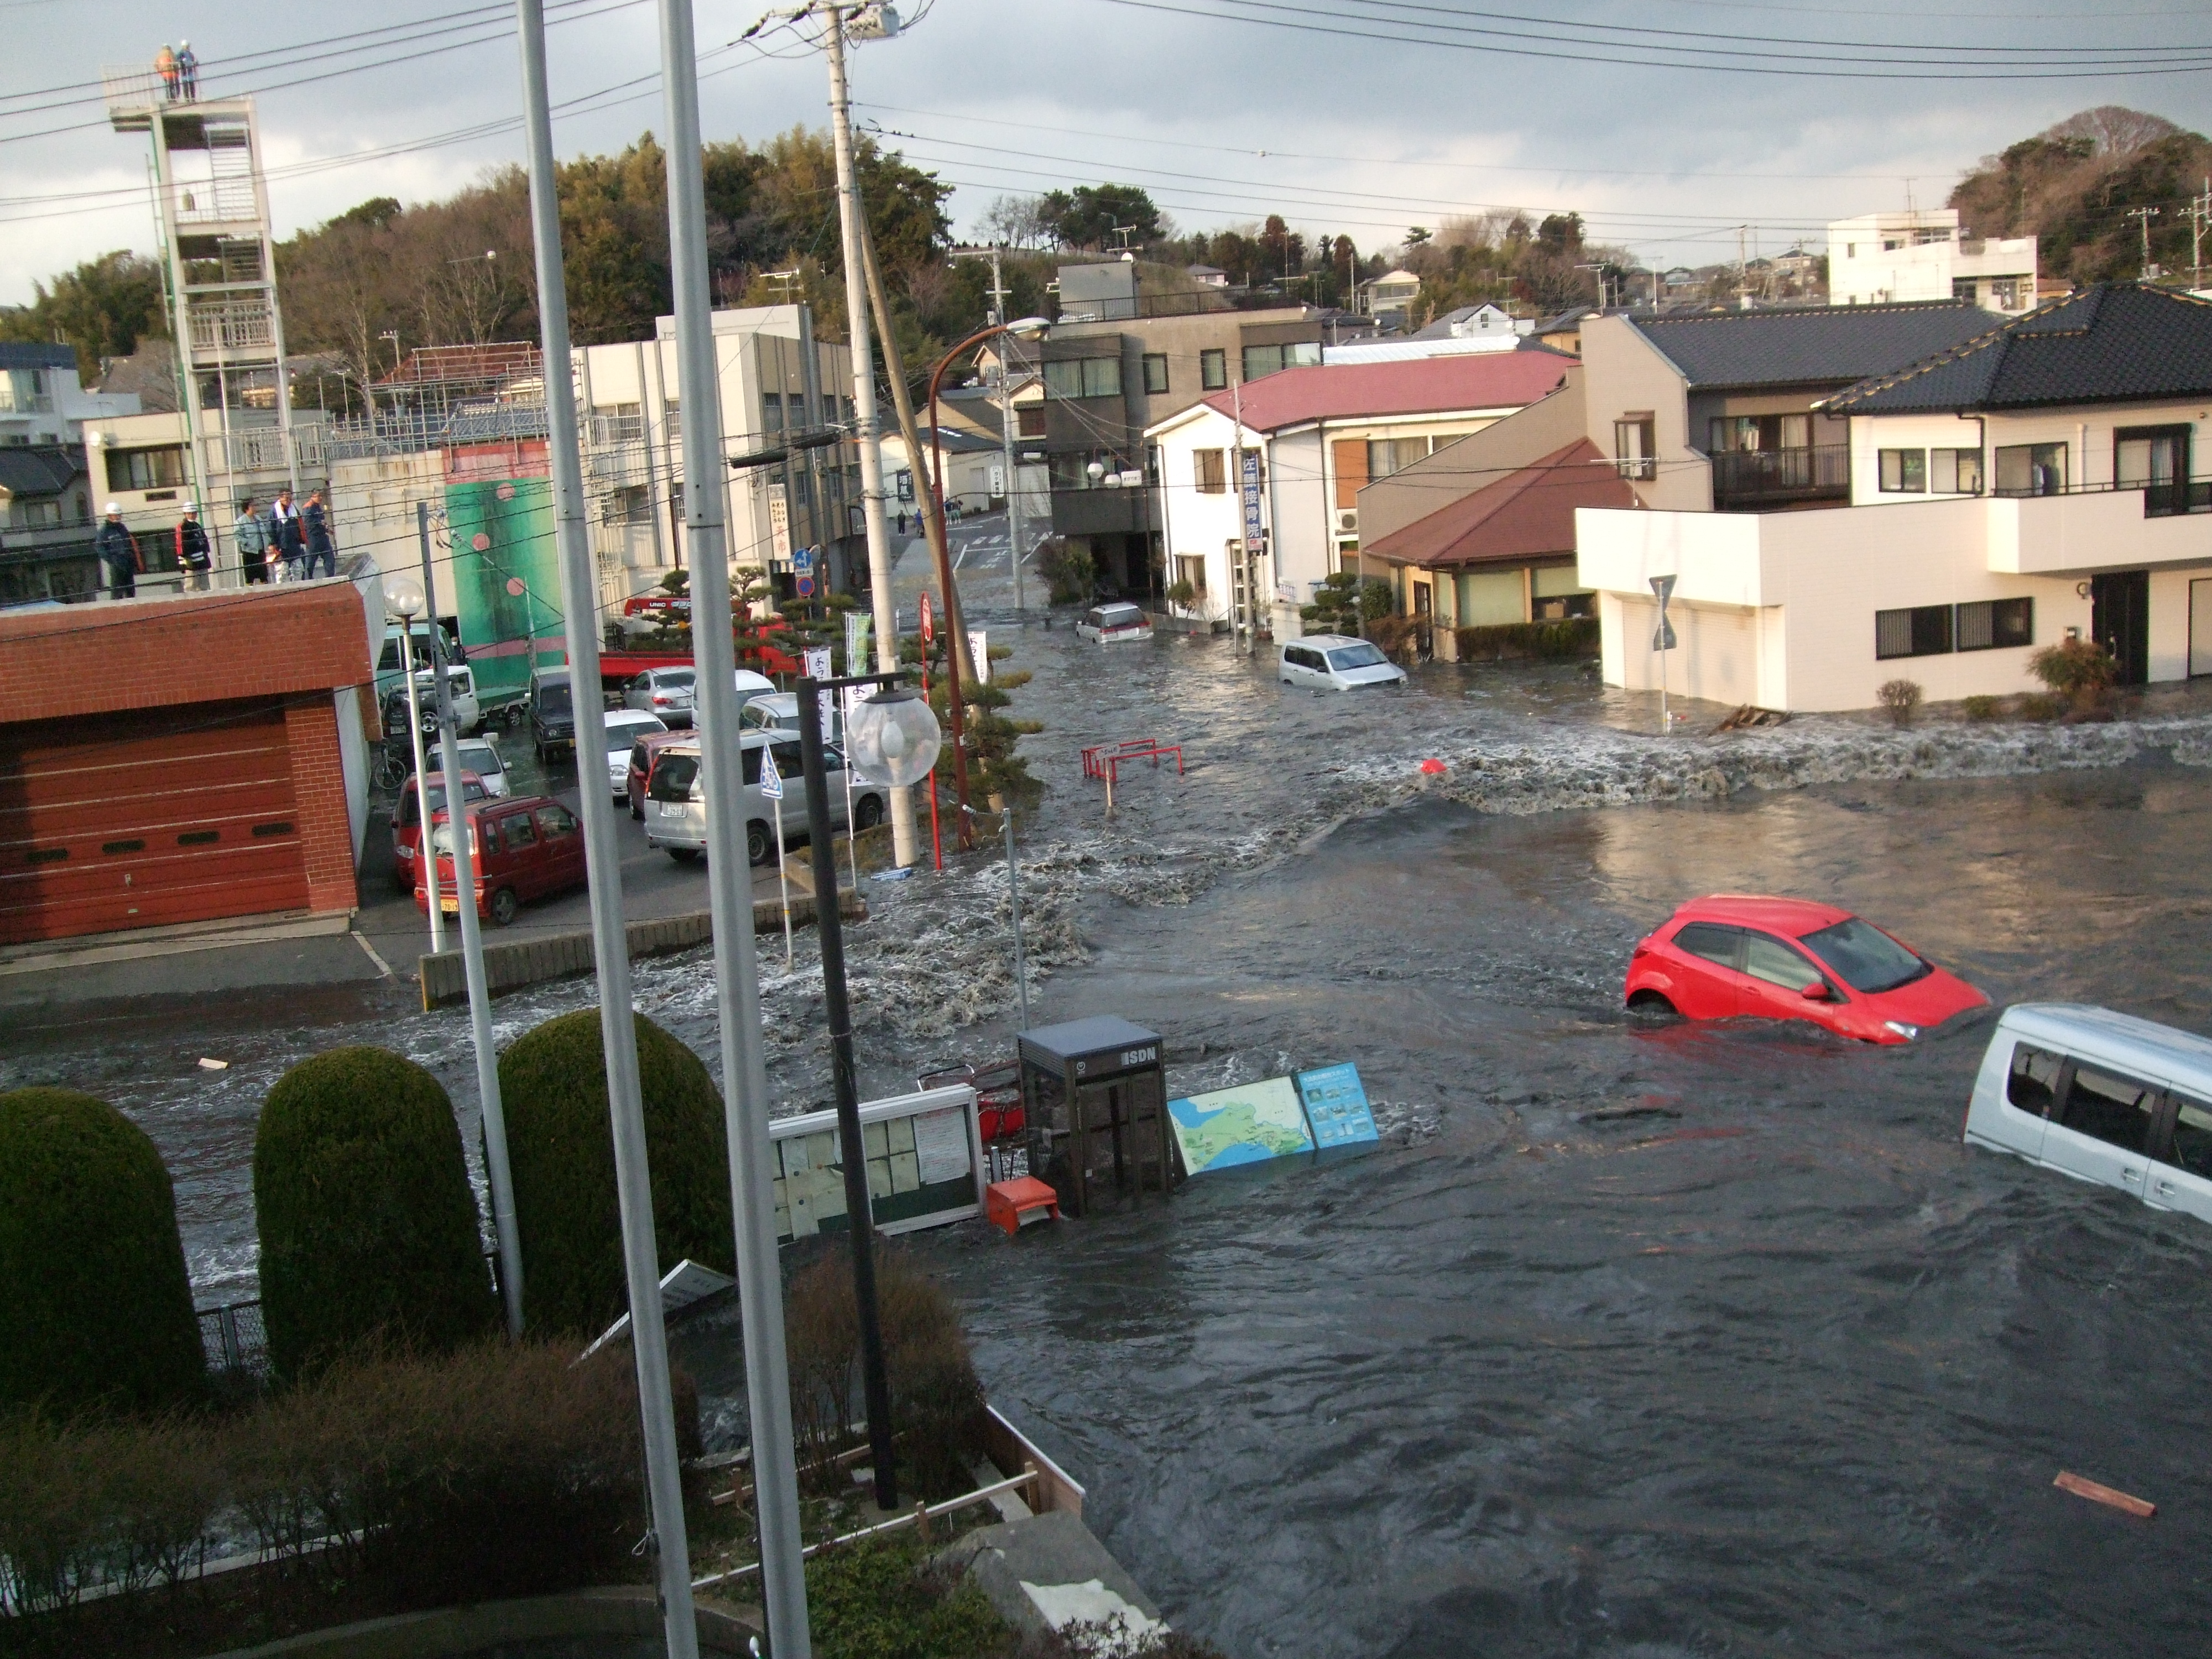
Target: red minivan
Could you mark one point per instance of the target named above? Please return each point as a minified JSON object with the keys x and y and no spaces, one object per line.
{"x":522,"y":849}
{"x":407,"y":821}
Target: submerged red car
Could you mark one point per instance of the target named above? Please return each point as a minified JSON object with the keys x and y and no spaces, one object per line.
{"x":1730,"y":954}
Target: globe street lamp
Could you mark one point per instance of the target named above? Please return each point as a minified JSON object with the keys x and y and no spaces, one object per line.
{"x":404,"y":598}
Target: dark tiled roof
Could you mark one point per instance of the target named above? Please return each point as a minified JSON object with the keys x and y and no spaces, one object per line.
{"x":1810,"y":346}
{"x":39,"y":469}
{"x":2114,"y":343}
{"x":22,"y":354}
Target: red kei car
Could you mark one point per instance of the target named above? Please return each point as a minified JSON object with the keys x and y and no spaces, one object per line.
{"x":524,"y":847}
{"x":1732,"y":954}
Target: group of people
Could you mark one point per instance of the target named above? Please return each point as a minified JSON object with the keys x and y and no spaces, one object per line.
{"x":180,"y":71}
{"x":288,"y":543}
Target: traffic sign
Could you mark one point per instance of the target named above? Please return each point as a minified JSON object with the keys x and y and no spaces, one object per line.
{"x":771,"y":780}
{"x":805,"y":583}
{"x":1663,"y":637}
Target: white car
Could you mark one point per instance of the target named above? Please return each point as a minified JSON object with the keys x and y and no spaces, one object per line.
{"x":778,"y":711}
{"x":479,"y":755}
{"x":676,"y":799}
{"x":664,"y":693}
{"x":1114,"y":624}
{"x":625,"y":728}
{"x":1336,"y":662}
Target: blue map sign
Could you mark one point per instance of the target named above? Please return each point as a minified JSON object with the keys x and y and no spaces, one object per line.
{"x":1336,"y":1106}
{"x":1250,"y":1123}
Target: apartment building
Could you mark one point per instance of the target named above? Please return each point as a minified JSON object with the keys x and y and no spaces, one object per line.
{"x":1878,"y":258}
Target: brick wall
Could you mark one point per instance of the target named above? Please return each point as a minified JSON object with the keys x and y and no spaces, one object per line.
{"x":311,"y":731}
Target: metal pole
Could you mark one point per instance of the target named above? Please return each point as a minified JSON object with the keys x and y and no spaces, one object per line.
{"x":603,"y":859}
{"x":1014,"y":899}
{"x":729,"y":874}
{"x":426,"y":873}
{"x":830,"y":928}
{"x":852,"y":229}
{"x":1007,"y":429}
{"x":497,"y":1173}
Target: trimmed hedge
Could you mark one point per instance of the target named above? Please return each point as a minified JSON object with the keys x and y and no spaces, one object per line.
{"x":96,"y":1307}
{"x":1574,"y":636}
{"x":561,"y":1146}
{"x":368,"y":1226}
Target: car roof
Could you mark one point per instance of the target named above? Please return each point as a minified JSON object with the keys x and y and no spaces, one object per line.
{"x":2142,"y":1044}
{"x":748,"y":681}
{"x":778,"y":702}
{"x":467,"y":778}
{"x":1113,"y":605}
{"x":1327,"y":642}
{"x":1792,"y":918}
{"x":630,"y":716}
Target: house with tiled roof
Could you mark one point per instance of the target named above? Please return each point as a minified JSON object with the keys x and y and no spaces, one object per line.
{"x":2036,"y":480}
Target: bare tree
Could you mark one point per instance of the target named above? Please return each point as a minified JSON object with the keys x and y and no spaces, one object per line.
{"x":1017,"y":222}
{"x":2113,"y":128}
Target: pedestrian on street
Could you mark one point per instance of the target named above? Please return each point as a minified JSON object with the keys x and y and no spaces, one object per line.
{"x":320,"y":548}
{"x":119,"y":553}
{"x":289,"y":534}
{"x":188,"y":70}
{"x":253,"y":535}
{"x":165,"y":65}
{"x":194,"y":557}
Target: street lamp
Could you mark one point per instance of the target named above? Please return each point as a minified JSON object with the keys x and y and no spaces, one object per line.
{"x":1026,"y":328}
{"x":404,"y":598}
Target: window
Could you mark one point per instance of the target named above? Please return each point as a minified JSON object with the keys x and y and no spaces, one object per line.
{"x":1363,"y":655}
{"x":1029,"y":420}
{"x":1904,"y":472}
{"x":2110,"y":1108}
{"x":1635,"y":446}
{"x":1072,"y":472}
{"x":772,"y":411}
{"x":1922,"y":631}
{"x":2034,"y":1082}
{"x":1388,"y":455}
{"x":2192,"y":1137}
{"x":42,"y":515}
{"x":487,"y":838}
{"x":674,"y":775}
{"x":1264,"y":360}
{"x":146,"y":469}
{"x":2004,"y":293}
{"x":2031,"y":468}
{"x":1989,"y":624}
{"x":1191,"y":569}
{"x":1213,"y":370}
{"x":1084,"y":377}
{"x":1715,"y":944}
{"x":1864,"y":958}
{"x":1954,"y":471}
{"x":519,"y":832}
{"x":1155,"y":374}
{"x":556,"y":822}
{"x":1212,"y":473}
{"x":1731,"y":434}
{"x":1771,"y":960}
{"x":1962,"y":288}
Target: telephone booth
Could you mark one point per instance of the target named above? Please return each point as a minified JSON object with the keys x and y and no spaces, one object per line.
{"x":1095,"y":1097}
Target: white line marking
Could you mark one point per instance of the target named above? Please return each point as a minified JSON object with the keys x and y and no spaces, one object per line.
{"x":383,"y":966}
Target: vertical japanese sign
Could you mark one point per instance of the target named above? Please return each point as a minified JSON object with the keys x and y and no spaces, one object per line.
{"x":978,"y":652}
{"x":856,"y":642}
{"x":779,"y":523}
{"x":1255,"y":536}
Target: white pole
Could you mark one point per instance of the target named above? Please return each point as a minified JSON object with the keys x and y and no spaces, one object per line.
{"x":1006,"y":428}
{"x":1014,"y":899}
{"x":904,"y":842}
{"x":498,"y":1175}
{"x":426,"y":867}
{"x":729,"y":875}
{"x":579,"y":596}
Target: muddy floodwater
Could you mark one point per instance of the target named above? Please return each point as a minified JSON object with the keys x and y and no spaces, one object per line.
{"x":1629,"y":1338}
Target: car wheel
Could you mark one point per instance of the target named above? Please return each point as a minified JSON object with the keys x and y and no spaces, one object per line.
{"x":759,"y":847}
{"x":867,"y":812}
{"x":504,"y":904}
{"x":511,"y":719}
{"x":684,"y":854}
{"x":1651,"y":1005}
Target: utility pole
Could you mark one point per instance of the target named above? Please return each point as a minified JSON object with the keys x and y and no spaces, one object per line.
{"x":729,"y":874}
{"x":852,"y":231}
{"x":1007,"y":425}
{"x":2143,"y":215}
{"x":2199,"y":207}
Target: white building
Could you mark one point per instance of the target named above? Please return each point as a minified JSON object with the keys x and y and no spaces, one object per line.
{"x":43,"y":402}
{"x":2034,"y":484}
{"x":1879,"y":258}
{"x":1320,"y":435}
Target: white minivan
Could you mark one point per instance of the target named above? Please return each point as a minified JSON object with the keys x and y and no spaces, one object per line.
{"x":1336,"y":662}
{"x":676,"y":798}
{"x":2103,"y":1096}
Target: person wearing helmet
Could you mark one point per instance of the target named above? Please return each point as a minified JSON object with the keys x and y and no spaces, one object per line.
{"x":188,"y":71}
{"x":119,"y":553}
{"x":165,"y":65}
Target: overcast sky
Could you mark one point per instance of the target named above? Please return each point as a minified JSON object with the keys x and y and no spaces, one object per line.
{"x":1224,"y":109}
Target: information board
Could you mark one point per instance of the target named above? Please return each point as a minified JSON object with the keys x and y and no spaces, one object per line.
{"x":925,"y":1164}
{"x":1248,"y":1124}
{"x":1336,"y":1106}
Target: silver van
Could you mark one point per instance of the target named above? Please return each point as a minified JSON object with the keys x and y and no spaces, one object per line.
{"x":2103,"y":1096}
{"x":676,"y":798}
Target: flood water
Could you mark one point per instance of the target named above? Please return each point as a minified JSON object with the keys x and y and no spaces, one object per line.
{"x":1628,"y":1339}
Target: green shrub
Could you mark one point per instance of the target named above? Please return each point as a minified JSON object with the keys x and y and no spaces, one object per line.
{"x":1558,"y":639}
{"x":2038,"y":706}
{"x":1980,"y":707}
{"x":1068,"y":570}
{"x":876,"y":1599}
{"x":2080,"y":669}
{"x":1900,"y":697}
{"x":96,"y":1307}
{"x":560,"y":1146}
{"x":1345,"y":602}
{"x":368,"y":1226}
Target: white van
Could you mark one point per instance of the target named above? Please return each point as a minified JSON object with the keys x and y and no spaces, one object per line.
{"x":2103,"y":1096}
{"x":676,"y":798}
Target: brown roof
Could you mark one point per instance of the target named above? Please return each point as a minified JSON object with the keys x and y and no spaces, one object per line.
{"x":1525,"y":515}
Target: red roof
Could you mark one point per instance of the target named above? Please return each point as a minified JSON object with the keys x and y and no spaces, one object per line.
{"x":1418,"y":385}
{"x":1525,"y":515}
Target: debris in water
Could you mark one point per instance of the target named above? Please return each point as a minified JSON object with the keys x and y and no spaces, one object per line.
{"x":1749,"y":715}
{"x":1432,"y":768}
{"x":207,"y":1065}
{"x":891,"y":875}
{"x":2080,"y":1486}
{"x":1621,"y":1113}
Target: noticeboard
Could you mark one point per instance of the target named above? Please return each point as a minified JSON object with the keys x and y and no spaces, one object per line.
{"x":925,"y":1165}
{"x":1336,"y":1106}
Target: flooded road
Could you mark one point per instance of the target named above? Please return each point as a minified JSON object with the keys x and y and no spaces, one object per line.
{"x":1628,"y":1339}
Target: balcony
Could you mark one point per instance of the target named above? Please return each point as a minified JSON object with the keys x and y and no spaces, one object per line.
{"x":1761,"y":480}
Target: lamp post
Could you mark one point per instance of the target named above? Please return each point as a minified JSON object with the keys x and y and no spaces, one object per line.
{"x":1028,"y":328}
{"x":404,"y":598}
{"x":892,"y":739}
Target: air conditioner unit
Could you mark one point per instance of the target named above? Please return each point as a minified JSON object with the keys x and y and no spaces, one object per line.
{"x":1347,"y":521}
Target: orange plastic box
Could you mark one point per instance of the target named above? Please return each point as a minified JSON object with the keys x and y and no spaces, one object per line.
{"x":1013,"y":1204}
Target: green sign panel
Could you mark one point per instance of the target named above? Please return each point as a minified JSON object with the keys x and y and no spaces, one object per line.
{"x":506,"y":580}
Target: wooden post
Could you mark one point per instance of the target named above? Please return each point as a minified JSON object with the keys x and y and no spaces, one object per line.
{"x":921,"y":1521}
{"x":1035,"y":1489}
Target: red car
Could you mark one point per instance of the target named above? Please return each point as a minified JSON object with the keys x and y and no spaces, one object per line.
{"x":523,"y":848}
{"x":1731,"y":954}
{"x":407,"y":826}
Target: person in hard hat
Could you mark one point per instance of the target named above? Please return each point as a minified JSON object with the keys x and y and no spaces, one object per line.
{"x":188,"y":71}
{"x":119,"y":553}
{"x":165,"y":65}
{"x":194,"y":556}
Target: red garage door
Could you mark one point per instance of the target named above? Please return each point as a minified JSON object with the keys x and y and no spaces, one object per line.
{"x":146,"y":819}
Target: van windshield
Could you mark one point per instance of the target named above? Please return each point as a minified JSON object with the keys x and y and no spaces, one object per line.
{"x":1356,"y":656}
{"x":673,"y":778}
{"x":553,"y":699}
{"x":1864,"y":958}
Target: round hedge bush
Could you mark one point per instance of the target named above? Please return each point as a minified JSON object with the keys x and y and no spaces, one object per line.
{"x":561,"y":1144}
{"x":95,"y":1307}
{"x":368,"y":1224}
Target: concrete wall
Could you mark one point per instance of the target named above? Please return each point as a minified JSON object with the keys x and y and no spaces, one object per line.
{"x":1626,"y":375}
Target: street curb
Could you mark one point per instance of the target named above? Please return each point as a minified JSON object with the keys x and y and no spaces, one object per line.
{"x":444,"y":976}
{"x":94,"y":950}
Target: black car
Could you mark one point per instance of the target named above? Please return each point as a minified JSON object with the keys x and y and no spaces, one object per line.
{"x":552,"y":714}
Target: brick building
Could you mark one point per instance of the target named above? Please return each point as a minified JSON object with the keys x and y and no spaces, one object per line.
{"x":175,"y":760}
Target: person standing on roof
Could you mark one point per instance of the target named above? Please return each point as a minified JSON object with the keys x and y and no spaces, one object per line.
{"x":165,"y":65}
{"x":194,"y":557}
{"x":188,"y":71}
{"x":119,"y":553}
{"x":289,"y":535}
{"x":253,"y":534}
{"x":320,"y":549}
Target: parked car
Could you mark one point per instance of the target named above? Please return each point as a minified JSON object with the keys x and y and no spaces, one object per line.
{"x":1115,"y":624}
{"x":625,"y":728}
{"x":552,"y":714}
{"x":407,"y":820}
{"x":778,"y":711}
{"x":479,"y":756}
{"x":676,"y":798}
{"x":1336,"y":662}
{"x":665,"y":692}
{"x":1729,"y":954}
{"x":642,"y":754}
{"x":522,"y":849}
{"x":2102,"y":1097}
